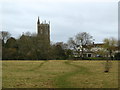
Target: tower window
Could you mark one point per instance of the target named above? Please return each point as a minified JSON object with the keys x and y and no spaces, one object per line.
{"x":41,"y":31}
{"x":47,"y":32}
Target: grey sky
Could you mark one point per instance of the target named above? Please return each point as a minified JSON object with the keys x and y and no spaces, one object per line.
{"x":100,"y":19}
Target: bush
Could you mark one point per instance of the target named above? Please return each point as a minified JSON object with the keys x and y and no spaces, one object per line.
{"x":117,"y":56}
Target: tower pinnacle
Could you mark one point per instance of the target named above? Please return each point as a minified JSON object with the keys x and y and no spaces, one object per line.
{"x":38,"y":20}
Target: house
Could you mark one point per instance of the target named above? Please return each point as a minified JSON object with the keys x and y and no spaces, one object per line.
{"x":95,"y":50}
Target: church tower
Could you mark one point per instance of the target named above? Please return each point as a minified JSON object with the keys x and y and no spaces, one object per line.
{"x":43,"y":31}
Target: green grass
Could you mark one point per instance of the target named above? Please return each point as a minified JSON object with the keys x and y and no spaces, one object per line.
{"x":58,"y":74}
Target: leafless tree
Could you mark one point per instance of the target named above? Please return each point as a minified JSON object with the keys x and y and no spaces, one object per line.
{"x":110,"y":45}
{"x":5,"y":36}
{"x":79,"y":42}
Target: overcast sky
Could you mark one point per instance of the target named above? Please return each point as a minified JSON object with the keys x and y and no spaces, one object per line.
{"x":67,"y":18}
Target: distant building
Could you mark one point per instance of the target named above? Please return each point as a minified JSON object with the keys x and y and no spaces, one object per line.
{"x":95,"y":50}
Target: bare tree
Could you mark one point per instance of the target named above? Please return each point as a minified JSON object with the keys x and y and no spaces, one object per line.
{"x":110,"y":46}
{"x":5,"y":36}
{"x":80,"y":42}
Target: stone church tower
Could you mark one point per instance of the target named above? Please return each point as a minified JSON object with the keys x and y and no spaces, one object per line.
{"x":43,"y":30}
{"x":43,"y":39}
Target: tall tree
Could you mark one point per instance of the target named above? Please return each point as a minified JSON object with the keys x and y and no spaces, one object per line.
{"x":110,"y":46}
{"x":80,"y":42}
{"x":11,"y":43}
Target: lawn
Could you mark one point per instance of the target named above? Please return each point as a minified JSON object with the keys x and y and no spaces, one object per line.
{"x":58,"y":74}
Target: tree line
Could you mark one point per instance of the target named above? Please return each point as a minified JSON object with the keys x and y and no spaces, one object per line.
{"x":29,"y":47}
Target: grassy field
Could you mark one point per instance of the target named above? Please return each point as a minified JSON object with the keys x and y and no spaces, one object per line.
{"x":58,"y":74}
